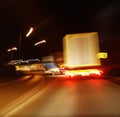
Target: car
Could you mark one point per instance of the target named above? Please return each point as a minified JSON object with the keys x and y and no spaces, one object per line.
{"x":51,"y":68}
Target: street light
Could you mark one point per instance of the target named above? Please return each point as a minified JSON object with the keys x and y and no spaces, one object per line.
{"x":11,"y":50}
{"x":29,"y":32}
{"x":20,"y":39}
{"x":40,"y":42}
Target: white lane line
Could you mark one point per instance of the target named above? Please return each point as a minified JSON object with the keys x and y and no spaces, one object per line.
{"x":4,"y":112}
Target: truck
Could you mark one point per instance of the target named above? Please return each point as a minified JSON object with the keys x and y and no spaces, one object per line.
{"x":80,"y":53}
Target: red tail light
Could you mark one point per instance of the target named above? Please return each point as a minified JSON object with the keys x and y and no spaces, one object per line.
{"x":84,"y":72}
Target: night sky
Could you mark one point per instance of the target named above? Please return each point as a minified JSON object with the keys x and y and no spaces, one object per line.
{"x":53,"y":19}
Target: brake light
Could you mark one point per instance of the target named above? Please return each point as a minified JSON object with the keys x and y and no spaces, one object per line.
{"x":96,"y":72}
{"x":85,"y":72}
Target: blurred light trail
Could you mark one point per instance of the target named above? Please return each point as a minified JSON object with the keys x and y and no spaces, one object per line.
{"x":11,"y":49}
{"x":40,"y":42}
{"x":30,"y":31}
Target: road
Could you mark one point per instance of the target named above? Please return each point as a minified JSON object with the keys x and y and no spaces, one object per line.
{"x":38,"y":96}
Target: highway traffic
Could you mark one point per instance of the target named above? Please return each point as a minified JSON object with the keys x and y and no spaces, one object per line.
{"x":60,"y":58}
{"x":59,"y":95}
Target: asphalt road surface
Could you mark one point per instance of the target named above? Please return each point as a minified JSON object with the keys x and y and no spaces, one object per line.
{"x":38,"y":96}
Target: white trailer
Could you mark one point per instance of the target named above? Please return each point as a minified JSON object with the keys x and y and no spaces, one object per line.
{"x":80,"y":52}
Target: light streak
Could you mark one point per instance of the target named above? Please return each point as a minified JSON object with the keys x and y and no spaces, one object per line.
{"x":40,"y":42}
{"x":30,"y":31}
